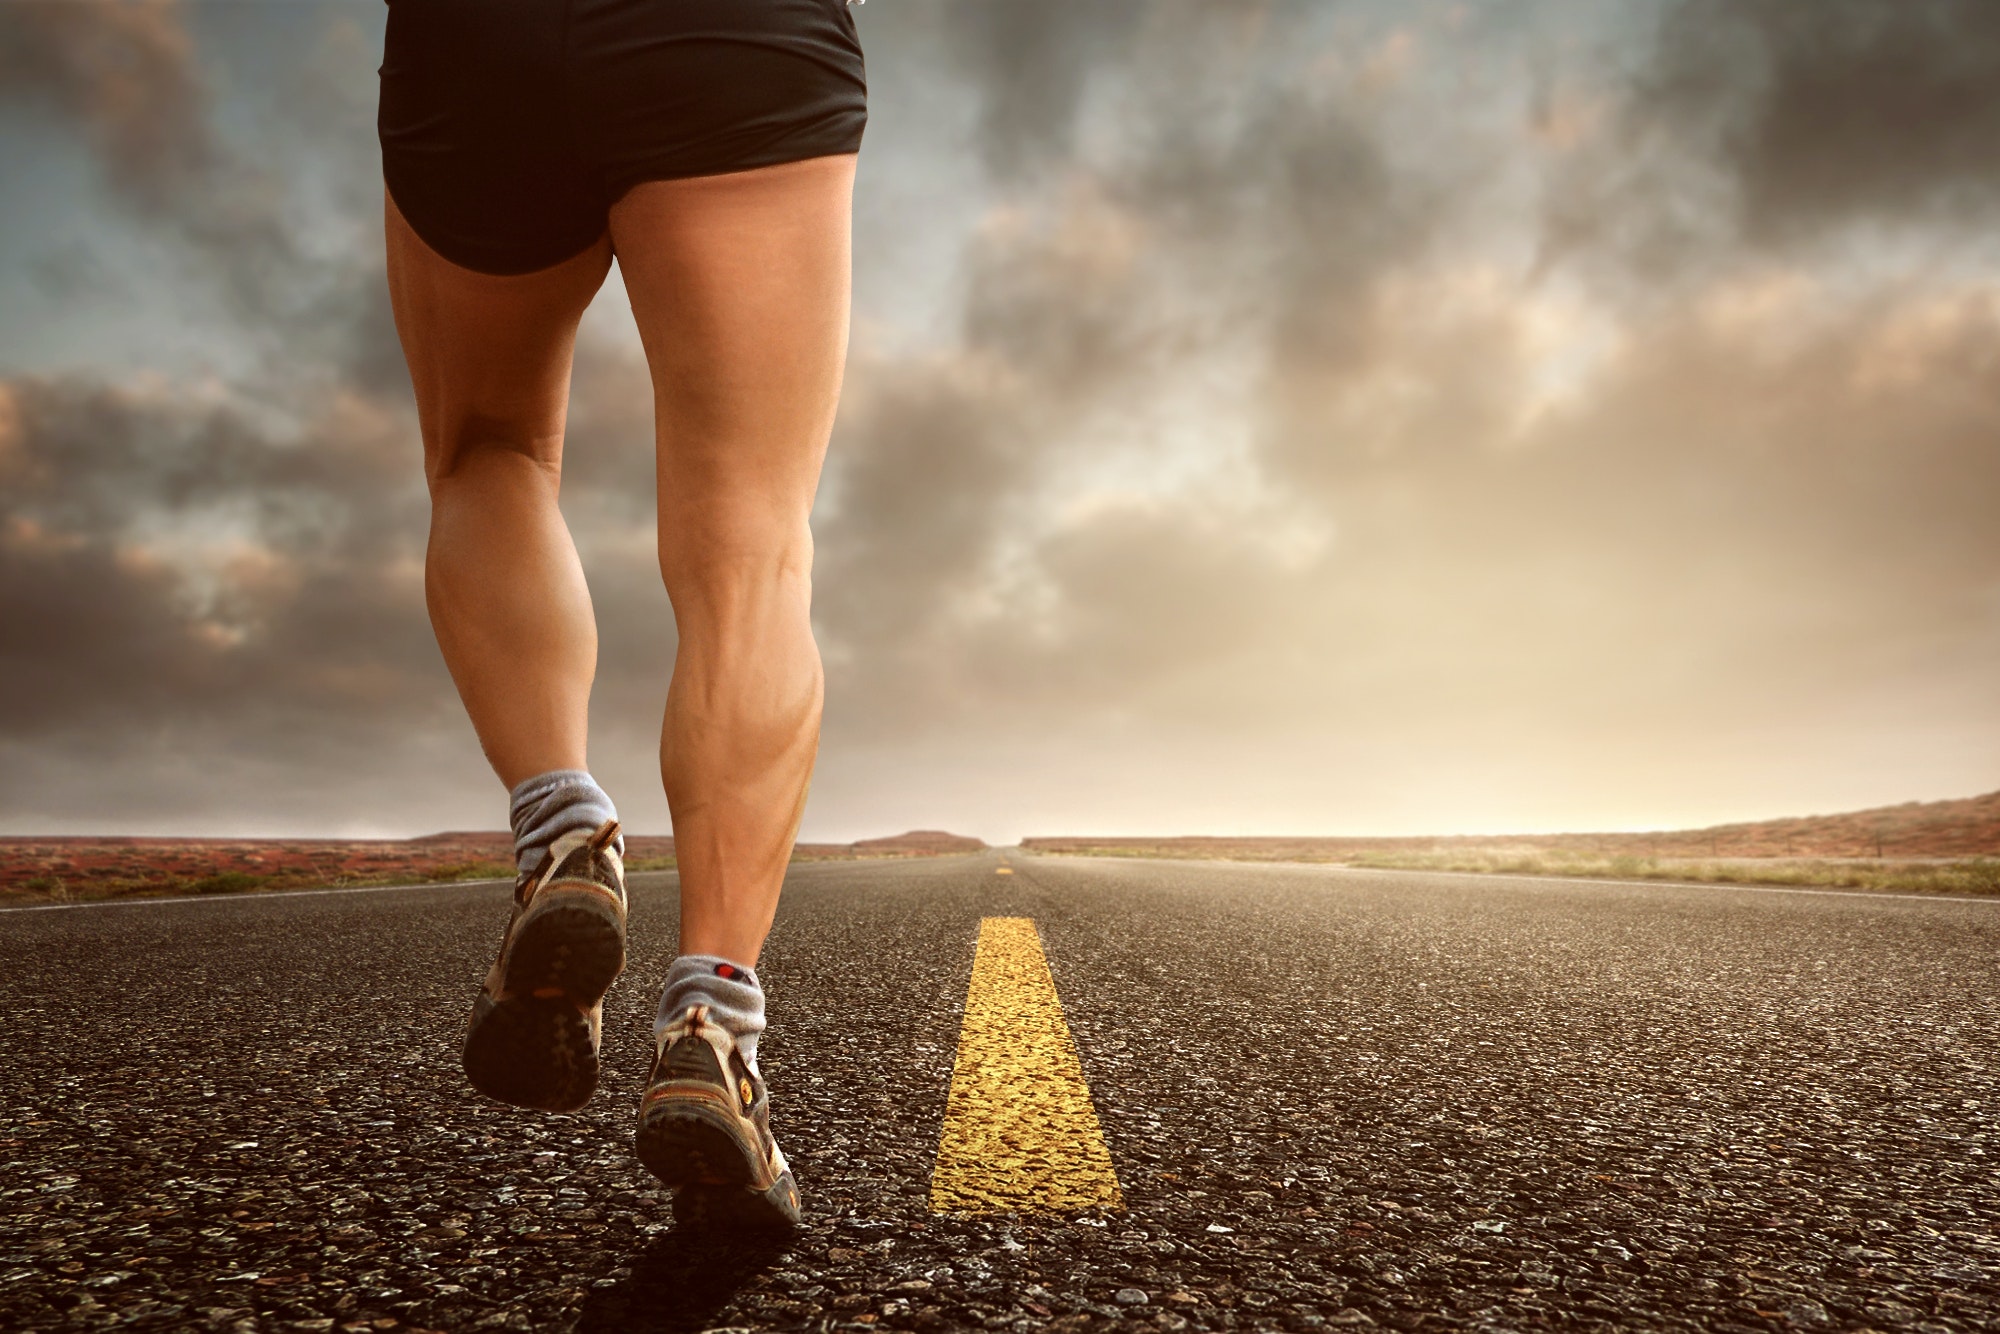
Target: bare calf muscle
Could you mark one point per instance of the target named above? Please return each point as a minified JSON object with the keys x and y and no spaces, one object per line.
{"x":739,"y":284}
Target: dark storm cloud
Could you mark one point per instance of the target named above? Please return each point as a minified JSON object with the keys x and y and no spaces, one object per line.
{"x":125,"y":75}
{"x":917,"y":501}
{"x":124,"y":72}
{"x":164,"y":557}
{"x":1783,"y":121}
{"x":1031,"y":61}
{"x":1840,"y":110}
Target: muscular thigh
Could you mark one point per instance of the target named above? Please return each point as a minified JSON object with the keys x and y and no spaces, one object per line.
{"x":740,"y":285}
{"x":489,"y":354}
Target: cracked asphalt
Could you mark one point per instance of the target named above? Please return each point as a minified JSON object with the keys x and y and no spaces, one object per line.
{"x":1332,"y":1098}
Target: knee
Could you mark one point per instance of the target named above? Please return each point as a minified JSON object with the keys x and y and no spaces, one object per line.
{"x":483,"y":450}
{"x":731,"y":557}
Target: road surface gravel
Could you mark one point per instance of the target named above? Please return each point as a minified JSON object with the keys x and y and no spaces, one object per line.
{"x":1334,"y":1099}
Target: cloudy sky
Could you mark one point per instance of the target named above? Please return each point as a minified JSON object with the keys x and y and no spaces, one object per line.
{"x":1321,"y":417}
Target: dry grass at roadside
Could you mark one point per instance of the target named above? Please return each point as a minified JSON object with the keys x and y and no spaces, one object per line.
{"x":1979,"y":875}
{"x":91,"y":868}
{"x":216,"y":868}
{"x":60,"y":889}
{"x":1973,"y":875}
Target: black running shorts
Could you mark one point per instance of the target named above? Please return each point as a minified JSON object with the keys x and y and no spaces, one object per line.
{"x":510,"y":127}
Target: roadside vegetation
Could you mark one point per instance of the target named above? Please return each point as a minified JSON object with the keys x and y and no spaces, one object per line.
{"x":97,"y":886}
{"x":92,"y":889}
{"x":1977,"y":875}
{"x":1965,"y":875}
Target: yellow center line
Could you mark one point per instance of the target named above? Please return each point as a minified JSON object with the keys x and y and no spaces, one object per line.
{"x":1020,"y":1134}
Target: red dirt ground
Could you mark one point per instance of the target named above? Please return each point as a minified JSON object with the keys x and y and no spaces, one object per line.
{"x":32,"y":867}
{"x":1965,"y":828}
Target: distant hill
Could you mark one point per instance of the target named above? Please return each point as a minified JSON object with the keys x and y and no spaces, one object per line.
{"x":917,"y":843}
{"x":1969,"y":827}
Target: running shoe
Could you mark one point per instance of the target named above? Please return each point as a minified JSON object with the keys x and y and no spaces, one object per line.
{"x":705,"y":1130}
{"x":535,"y":1027}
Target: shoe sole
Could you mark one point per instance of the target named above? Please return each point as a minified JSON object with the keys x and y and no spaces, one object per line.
{"x":536,"y":1048}
{"x":773,"y":1213}
{"x":693,"y":1148}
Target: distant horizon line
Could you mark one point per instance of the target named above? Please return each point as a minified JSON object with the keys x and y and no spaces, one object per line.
{"x":1020,"y":840}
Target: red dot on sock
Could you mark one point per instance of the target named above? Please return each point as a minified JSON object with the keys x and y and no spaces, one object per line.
{"x":725,"y":970}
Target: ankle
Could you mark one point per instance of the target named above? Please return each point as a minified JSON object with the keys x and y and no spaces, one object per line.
{"x":730,"y":990}
{"x":544,"y":808}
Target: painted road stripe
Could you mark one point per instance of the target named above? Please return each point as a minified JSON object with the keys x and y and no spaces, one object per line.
{"x":1020,"y":1134}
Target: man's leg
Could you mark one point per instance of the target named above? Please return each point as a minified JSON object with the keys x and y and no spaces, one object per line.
{"x":740,"y":286}
{"x":490,"y":359}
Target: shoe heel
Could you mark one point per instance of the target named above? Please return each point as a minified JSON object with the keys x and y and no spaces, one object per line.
{"x":738,"y":1209}
{"x":686,"y":1145}
{"x":570,"y":945}
{"x":531,"y":1053}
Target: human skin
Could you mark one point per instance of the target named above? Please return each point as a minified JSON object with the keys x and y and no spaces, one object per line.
{"x":740,"y":286}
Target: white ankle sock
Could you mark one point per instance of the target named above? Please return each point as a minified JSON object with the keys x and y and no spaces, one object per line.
{"x":734,"y":997}
{"x":547,"y":806}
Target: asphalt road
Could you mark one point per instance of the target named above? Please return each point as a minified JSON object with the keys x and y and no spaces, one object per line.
{"x":1332,"y":1099}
